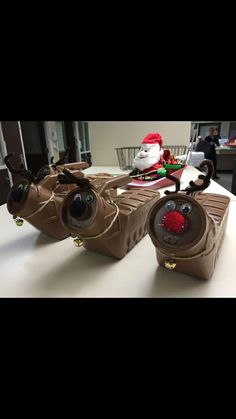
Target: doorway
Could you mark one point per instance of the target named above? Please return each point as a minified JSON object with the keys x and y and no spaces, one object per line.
{"x":10,"y":141}
{"x":66,"y":139}
{"x":84,"y":140}
{"x":61,"y":137}
{"x":232,"y":129}
{"x":36,"y":151}
{"x":4,"y":179}
{"x":203,"y":129}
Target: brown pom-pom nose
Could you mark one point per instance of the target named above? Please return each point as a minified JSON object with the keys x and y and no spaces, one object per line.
{"x":17,"y":193}
{"x":77,"y":208}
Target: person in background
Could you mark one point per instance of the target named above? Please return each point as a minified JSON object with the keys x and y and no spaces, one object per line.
{"x":199,"y":139}
{"x":203,"y":146}
{"x":216,"y":134}
{"x":213,"y":140}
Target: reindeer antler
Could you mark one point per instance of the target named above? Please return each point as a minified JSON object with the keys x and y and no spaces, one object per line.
{"x":21,"y":171}
{"x":42,"y":173}
{"x":67,"y":177}
{"x":205,"y":179}
{"x":9,"y":165}
{"x":45,"y":170}
{"x":200,"y":184}
{"x":63,"y":159}
{"x":177,"y":183}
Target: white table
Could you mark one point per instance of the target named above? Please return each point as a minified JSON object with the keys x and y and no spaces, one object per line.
{"x":34,"y":265}
{"x":190,"y":173}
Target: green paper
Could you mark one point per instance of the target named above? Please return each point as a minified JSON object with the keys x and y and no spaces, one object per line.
{"x":161,"y":172}
{"x":173,"y":166}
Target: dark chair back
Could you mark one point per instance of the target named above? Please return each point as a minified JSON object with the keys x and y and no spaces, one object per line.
{"x":233,"y":186}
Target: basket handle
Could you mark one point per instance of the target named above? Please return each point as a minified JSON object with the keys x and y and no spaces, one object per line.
{"x":114,"y":183}
{"x":76,"y":165}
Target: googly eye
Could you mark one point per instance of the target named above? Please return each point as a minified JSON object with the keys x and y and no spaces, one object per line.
{"x":26,"y":188}
{"x":77,"y":196}
{"x":186,"y":208}
{"x":20,"y":188}
{"x":170,"y":206}
{"x":89,"y":199}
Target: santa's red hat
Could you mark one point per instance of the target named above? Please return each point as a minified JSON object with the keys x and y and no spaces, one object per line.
{"x":153,"y":139}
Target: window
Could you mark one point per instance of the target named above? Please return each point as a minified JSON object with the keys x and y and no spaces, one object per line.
{"x":60,"y":131}
{"x":81,"y":137}
{"x":84,"y":140}
{"x":1,"y":148}
{"x":204,"y":128}
{"x":232,"y":129}
{"x":84,"y":137}
{"x":1,"y":158}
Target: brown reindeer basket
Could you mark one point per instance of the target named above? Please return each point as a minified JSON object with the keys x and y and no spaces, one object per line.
{"x":37,"y":199}
{"x":187,"y":227}
{"x":106,"y":224}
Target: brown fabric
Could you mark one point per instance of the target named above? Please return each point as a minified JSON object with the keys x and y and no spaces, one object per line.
{"x":99,"y":179}
{"x":194,"y":251}
{"x":74,"y":166}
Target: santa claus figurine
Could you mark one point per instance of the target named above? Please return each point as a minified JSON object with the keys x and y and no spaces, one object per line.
{"x":150,"y":157}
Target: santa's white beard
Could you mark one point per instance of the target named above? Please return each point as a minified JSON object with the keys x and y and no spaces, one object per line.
{"x":145,"y":162}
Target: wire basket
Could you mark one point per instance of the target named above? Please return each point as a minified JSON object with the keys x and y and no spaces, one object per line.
{"x":177,"y":150}
{"x":126,"y":157}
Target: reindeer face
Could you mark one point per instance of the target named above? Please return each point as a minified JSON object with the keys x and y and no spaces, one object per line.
{"x":19,"y":192}
{"x":176,"y":222}
{"x":79,"y":209}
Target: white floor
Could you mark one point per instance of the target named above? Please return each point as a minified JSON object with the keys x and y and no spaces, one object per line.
{"x":225,"y":180}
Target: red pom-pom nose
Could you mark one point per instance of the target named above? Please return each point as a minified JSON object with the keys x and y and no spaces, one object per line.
{"x":174,"y":221}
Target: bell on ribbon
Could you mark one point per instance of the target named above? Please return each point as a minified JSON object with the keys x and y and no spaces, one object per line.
{"x":18,"y":221}
{"x":170,"y":264}
{"x":78,"y":242}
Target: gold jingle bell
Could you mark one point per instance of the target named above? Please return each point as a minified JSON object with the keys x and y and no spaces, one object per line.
{"x":78,"y":242}
{"x":18,"y":221}
{"x":170,"y":264}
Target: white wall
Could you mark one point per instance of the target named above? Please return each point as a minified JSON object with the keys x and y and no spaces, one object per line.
{"x":106,"y":136}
